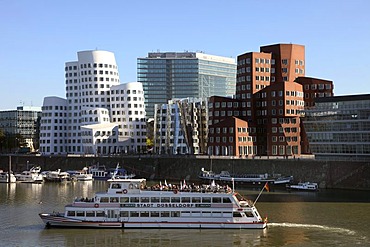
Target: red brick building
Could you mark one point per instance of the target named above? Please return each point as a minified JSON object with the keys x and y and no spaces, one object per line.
{"x":271,"y":92}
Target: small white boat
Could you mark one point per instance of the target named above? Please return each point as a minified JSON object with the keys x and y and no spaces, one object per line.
{"x":81,"y":175}
{"x":129,"y":203}
{"x":4,"y":177}
{"x":304,"y":186}
{"x":57,"y":176}
{"x":31,"y":176}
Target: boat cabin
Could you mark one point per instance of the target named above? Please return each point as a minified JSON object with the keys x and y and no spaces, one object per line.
{"x":119,"y":186}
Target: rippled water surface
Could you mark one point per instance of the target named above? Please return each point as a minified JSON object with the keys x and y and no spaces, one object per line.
{"x":325,"y":218}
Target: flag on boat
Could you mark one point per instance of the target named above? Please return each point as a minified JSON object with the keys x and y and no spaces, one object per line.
{"x":267,"y":187}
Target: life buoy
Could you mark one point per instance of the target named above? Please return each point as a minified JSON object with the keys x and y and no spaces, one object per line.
{"x":124,"y":191}
{"x":96,"y":205}
{"x":175,"y":191}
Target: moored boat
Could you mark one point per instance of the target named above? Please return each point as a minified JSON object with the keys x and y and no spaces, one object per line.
{"x":57,"y":176}
{"x":304,"y":186}
{"x":4,"y":177}
{"x":31,"y":176}
{"x":254,"y":179}
{"x":129,"y":203}
{"x":81,"y":175}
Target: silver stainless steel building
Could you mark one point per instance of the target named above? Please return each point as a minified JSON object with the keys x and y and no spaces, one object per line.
{"x":339,"y":127}
{"x":169,"y":75}
{"x":180,"y":127}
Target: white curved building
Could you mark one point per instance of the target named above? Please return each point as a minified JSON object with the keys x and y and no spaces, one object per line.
{"x":128,"y":111}
{"x":53,"y":127}
{"x":88,"y":108}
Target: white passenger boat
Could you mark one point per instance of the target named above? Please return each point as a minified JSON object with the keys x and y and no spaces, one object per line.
{"x":128,"y":203}
{"x":4,"y":177}
{"x":31,"y":176}
{"x":304,"y":186}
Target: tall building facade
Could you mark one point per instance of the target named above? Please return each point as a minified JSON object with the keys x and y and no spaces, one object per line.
{"x":339,"y":127}
{"x":270,"y":98}
{"x":169,"y":75}
{"x":180,"y":127}
{"x":94,"y":99}
{"x":21,"y":128}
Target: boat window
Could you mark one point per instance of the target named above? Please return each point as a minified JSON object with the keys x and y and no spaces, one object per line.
{"x":144,"y":199}
{"x":195,"y":199}
{"x":175,"y":214}
{"x":114,"y":199}
{"x":154,"y":214}
{"x":116,"y":186}
{"x":90,"y":214}
{"x":134,"y":214}
{"x":144,"y":214}
{"x":216,"y":199}
{"x":123,"y":214}
{"x":80,"y":213}
{"x":165,"y":214}
{"x":175,"y":199}
{"x":123,"y":199}
{"x":165,"y":199}
{"x":134,"y":199}
{"x":185,"y":199}
{"x":249,"y":214}
{"x":104,"y":199}
{"x":206,"y":199}
{"x":155,"y":199}
{"x":226,"y":200}
{"x":71,"y":213}
{"x":100,"y":214}
{"x":237,"y":214}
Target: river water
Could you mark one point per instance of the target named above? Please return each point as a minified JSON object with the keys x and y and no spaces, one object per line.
{"x":324,"y":218}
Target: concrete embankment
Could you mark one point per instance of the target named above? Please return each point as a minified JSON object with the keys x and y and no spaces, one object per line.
{"x":329,"y":174}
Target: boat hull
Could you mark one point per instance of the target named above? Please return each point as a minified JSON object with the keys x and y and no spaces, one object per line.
{"x":61,"y":221}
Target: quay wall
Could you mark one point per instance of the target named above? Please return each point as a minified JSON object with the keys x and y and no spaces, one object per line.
{"x":329,"y":174}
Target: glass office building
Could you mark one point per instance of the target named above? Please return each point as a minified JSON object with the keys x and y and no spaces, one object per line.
{"x":339,"y":127}
{"x":170,"y":75}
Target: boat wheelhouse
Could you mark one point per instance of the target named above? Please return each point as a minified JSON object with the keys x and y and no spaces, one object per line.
{"x":129,"y":203}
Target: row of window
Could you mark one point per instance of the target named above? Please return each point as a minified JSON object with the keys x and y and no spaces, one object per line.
{"x":155,"y":214}
{"x":175,"y":199}
{"x":128,"y":98}
{"x":317,"y":86}
{"x":257,"y":60}
{"x":90,"y":65}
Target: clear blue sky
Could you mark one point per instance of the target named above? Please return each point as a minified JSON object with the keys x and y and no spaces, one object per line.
{"x":38,"y":37}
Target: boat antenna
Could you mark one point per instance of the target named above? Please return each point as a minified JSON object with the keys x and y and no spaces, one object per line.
{"x":232,"y":179}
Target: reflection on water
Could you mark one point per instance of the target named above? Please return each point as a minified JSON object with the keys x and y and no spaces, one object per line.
{"x":332,"y":218}
{"x":152,"y":237}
